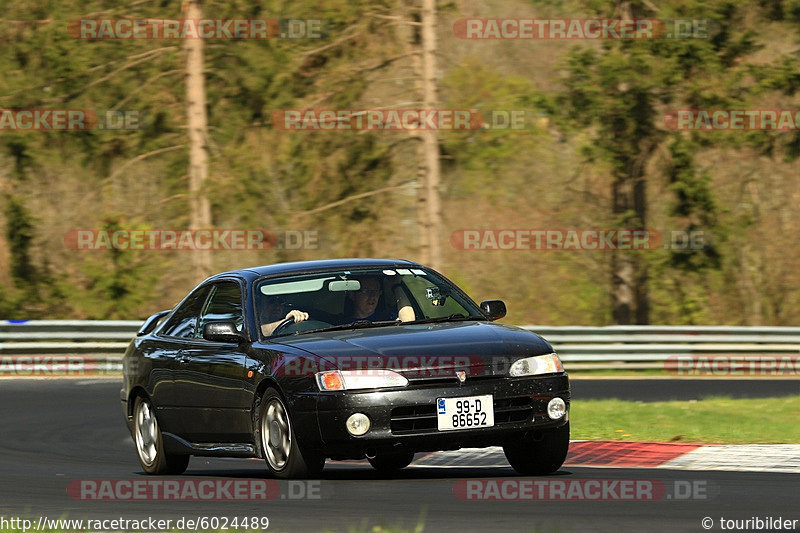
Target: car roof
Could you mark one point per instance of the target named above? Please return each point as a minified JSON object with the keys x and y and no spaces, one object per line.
{"x":313,"y":266}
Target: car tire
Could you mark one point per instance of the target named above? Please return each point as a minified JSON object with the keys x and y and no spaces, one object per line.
{"x":539,"y":457}
{"x":150,"y":442}
{"x":286,"y":458}
{"x":391,"y":462}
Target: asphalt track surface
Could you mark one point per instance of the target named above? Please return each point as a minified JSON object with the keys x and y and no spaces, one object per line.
{"x":56,"y":431}
{"x":659,"y":390}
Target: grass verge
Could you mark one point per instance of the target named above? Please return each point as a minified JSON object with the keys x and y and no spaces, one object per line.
{"x":716,"y":420}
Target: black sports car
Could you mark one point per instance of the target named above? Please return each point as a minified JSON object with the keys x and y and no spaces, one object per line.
{"x":340,"y":359}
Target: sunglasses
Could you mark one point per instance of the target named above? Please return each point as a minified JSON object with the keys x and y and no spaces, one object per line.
{"x":368,"y":292}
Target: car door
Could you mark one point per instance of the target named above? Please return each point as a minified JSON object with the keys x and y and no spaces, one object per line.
{"x":210,"y":379}
{"x":163,"y":352}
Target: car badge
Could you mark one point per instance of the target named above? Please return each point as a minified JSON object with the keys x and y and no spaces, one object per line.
{"x":461,"y":375}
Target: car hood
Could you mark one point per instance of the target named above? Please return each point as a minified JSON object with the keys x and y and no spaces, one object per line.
{"x":480,"y":347}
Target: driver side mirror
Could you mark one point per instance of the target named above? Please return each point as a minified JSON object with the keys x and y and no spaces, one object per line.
{"x":222,"y":332}
{"x":493,"y":309}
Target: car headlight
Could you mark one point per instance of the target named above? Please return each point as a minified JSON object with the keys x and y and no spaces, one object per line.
{"x":359,"y":379}
{"x":539,"y":364}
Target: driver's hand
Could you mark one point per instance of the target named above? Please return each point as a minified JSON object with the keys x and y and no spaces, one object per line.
{"x":299,"y":316}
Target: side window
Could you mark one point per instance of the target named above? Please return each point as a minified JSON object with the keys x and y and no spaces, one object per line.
{"x":224,"y":305}
{"x":419,"y":287}
{"x":184,"y":321}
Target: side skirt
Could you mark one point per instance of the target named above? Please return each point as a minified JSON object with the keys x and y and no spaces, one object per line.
{"x":176,"y":445}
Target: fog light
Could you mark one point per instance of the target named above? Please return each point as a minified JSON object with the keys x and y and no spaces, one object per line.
{"x":357,"y":424}
{"x":556,"y":408}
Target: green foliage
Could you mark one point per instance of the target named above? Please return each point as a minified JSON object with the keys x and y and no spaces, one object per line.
{"x":593,"y":118}
{"x":116,"y":283}
{"x":619,"y":89}
{"x":141,"y":175}
{"x":479,"y":156}
{"x":695,"y":205}
{"x":20,"y":233}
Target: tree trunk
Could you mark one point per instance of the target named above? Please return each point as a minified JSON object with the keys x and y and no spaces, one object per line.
{"x":432,"y":222}
{"x":5,"y":276}
{"x":641,"y":274}
{"x":622,"y":288}
{"x":630,"y":297}
{"x":197,"y":122}
{"x":629,"y":269}
{"x":622,"y":300}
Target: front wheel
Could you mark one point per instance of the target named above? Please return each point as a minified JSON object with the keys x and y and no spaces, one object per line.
{"x":540,"y":457}
{"x":391,"y":462}
{"x":150,"y":442}
{"x":284,"y":455}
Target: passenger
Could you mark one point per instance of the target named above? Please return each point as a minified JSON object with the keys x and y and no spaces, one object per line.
{"x":363,"y":303}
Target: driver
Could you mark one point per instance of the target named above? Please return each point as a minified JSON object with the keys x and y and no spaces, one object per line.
{"x":273,"y":311}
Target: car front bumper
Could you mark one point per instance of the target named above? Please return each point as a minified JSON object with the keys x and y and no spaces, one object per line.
{"x":405,"y":419}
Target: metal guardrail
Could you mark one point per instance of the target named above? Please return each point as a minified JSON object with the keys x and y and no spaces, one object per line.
{"x":660,"y":347}
{"x":579,"y":347}
{"x":107,"y":338}
{"x":64,"y":347}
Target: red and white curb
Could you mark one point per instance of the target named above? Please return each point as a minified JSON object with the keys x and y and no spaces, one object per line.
{"x":740,"y":458}
{"x":616,"y":454}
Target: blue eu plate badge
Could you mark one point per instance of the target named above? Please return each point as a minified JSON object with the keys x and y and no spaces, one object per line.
{"x":442,"y":409}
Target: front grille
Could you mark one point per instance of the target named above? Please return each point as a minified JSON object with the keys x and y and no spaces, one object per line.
{"x":513,"y":410}
{"x":445,"y":381}
{"x":411,"y":420}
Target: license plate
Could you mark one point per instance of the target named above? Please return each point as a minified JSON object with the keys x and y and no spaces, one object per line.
{"x":465,"y":413}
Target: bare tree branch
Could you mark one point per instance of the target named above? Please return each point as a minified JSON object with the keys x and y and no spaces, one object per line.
{"x":146,"y":57}
{"x":141,"y":157}
{"x":357,"y":197}
{"x":399,"y":20}
{"x":385,"y":62}
{"x":337,"y":42}
{"x":145,"y":84}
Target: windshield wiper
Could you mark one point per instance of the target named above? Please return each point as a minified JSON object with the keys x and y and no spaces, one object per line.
{"x":356,"y":324}
{"x":455,"y":317}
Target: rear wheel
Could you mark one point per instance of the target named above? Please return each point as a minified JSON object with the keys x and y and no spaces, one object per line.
{"x":150,"y":443}
{"x":391,"y":462}
{"x":539,"y":457}
{"x":284,"y":455}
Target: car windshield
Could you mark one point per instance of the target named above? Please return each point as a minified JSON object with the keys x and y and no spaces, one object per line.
{"x":358,"y":298}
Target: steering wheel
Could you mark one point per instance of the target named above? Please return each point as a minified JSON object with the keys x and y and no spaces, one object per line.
{"x":285,"y":322}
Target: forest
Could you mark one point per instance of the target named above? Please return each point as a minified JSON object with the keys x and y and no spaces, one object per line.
{"x":572,"y":150}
